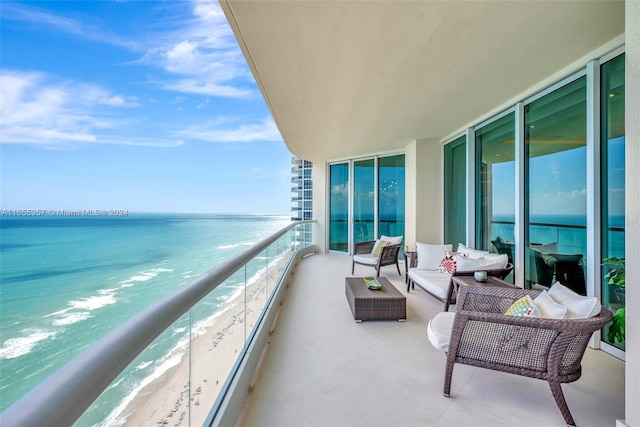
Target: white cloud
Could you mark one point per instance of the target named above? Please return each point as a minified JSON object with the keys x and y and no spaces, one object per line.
{"x":36,"y":108}
{"x":203,"y":55}
{"x":78,"y":27}
{"x":209,"y":88}
{"x":220,"y":131}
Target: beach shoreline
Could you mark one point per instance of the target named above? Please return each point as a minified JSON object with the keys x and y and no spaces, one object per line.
{"x":185,"y":393}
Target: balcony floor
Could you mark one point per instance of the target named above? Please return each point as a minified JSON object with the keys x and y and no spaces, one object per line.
{"x":323,"y":369}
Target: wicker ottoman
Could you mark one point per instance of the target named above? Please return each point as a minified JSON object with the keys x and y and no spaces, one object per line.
{"x":382,"y":304}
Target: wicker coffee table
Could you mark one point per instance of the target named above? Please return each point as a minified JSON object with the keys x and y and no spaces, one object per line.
{"x":386,"y":303}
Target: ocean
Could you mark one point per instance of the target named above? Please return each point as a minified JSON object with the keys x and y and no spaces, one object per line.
{"x":67,"y":281}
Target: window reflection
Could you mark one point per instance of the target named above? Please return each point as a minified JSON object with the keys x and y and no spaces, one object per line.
{"x":364,"y":201}
{"x":391,"y":184}
{"x":556,"y":188}
{"x":339,"y":207}
{"x":455,"y":189}
{"x":496,"y":187}
{"x":613,"y":191}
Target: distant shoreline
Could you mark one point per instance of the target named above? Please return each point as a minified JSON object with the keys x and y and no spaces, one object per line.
{"x":174,"y":397}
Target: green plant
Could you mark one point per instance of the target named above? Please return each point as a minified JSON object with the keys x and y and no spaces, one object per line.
{"x":616,"y":277}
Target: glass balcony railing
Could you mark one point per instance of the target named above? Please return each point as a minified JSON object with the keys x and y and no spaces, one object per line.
{"x":178,"y":361}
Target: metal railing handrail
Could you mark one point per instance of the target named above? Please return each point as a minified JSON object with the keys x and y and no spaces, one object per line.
{"x":64,"y":396}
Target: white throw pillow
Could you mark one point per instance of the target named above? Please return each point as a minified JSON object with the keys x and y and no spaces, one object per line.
{"x":548,"y":308}
{"x":470,"y":253}
{"x":464,"y":263}
{"x":430,"y":256}
{"x":501,"y":260}
{"x":396,"y":240}
{"x":578,"y":306}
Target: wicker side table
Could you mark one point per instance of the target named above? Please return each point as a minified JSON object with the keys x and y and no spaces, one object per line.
{"x":386,"y":303}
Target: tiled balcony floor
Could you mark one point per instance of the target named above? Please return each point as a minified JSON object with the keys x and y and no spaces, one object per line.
{"x":323,"y":369}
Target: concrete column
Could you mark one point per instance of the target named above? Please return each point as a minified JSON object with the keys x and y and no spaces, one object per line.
{"x":410,"y":163}
{"x":428,"y":164}
{"x":320,"y":197}
{"x":632,"y":203}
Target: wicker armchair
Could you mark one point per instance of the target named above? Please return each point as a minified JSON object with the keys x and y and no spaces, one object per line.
{"x":552,"y":349}
{"x":362,"y":255}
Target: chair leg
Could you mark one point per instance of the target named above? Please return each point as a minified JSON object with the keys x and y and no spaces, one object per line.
{"x":449,"y":298}
{"x":562,"y":404}
{"x":353,"y":266}
{"x":398,"y":267}
{"x":448,"y":373}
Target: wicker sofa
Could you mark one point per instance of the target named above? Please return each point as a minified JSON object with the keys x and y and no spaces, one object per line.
{"x":548,"y":349}
{"x":439,"y":285}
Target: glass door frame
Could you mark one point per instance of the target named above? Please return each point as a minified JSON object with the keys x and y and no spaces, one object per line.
{"x":597,"y":238}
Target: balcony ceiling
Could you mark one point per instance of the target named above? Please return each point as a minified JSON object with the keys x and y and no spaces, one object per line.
{"x":350,"y":78}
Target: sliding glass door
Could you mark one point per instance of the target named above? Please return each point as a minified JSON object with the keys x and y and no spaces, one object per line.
{"x":370,"y":205}
{"x":455,"y":189}
{"x":339,"y":207}
{"x":364,"y":203}
{"x":556,"y":188}
{"x":391,"y":196}
{"x":496,"y":186}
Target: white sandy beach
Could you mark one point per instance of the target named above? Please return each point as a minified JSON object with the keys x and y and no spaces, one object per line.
{"x":172,"y":399}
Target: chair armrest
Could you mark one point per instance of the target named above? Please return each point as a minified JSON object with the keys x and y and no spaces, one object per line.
{"x":411,"y":259}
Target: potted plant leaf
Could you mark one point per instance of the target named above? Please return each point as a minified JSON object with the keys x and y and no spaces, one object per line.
{"x":616,"y":279}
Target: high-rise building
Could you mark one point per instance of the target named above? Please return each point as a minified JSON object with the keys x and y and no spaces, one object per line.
{"x":302,"y":190}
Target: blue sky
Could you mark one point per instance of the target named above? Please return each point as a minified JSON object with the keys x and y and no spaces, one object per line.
{"x":141,"y":105}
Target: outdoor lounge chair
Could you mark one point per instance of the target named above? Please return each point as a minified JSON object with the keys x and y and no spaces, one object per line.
{"x":504,"y":247}
{"x":479,"y":334}
{"x":362,"y":254}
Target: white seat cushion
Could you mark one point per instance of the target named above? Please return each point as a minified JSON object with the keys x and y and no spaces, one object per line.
{"x":432,"y":281}
{"x":439,"y":330}
{"x":366,"y":259}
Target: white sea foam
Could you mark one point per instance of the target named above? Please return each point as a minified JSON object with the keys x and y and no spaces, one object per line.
{"x":143,"y":365}
{"x":80,"y":309}
{"x":93,"y":303}
{"x":16,"y":347}
{"x":143,"y":277}
{"x":236,"y":245}
{"x":71,"y":318}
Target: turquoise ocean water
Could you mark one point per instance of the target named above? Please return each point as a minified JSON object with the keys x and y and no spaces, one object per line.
{"x":67,"y":282}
